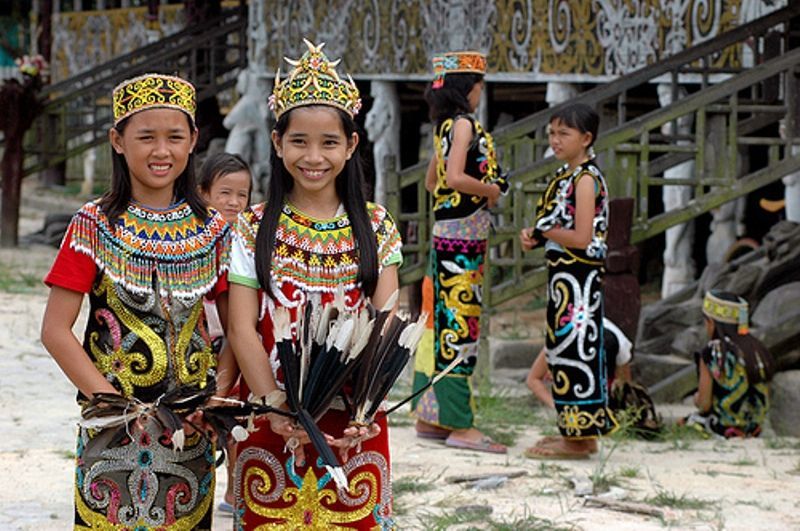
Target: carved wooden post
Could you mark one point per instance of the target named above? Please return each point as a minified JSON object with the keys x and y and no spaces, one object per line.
{"x":621,"y":289}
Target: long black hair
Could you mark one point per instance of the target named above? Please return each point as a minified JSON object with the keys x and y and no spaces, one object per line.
{"x":578,"y":116}
{"x":116,"y":200}
{"x":450,"y":99}
{"x":758,"y":362}
{"x":350,"y":189}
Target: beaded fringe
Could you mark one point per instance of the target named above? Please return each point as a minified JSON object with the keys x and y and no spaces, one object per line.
{"x":184,"y":269}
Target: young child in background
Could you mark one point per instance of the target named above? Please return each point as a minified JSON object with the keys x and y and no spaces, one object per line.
{"x":618,"y":348}
{"x":314,"y":235}
{"x":572,"y":222}
{"x":147,"y":253}
{"x":226,"y":184}
{"x":465,"y":180}
{"x":734,"y":371}
{"x":540,"y":381}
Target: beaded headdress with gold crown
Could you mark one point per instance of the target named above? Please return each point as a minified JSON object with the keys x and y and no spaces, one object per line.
{"x":151,"y":91}
{"x":730,"y":312}
{"x":465,"y":62}
{"x":314,"y":81}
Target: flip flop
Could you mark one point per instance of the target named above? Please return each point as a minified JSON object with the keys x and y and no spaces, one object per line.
{"x":225,"y":507}
{"x":485,"y":444}
{"x":431,"y":431}
{"x":548,"y":452}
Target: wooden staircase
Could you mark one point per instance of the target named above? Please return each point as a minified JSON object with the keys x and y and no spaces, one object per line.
{"x":77,"y":111}
{"x":746,"y":107}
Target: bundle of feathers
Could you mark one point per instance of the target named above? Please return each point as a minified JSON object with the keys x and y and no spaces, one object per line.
{"x":333,"y":351}
{"x":113,"y":411}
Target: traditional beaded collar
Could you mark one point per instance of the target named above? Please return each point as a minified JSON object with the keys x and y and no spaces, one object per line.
{"x":151,"y":91}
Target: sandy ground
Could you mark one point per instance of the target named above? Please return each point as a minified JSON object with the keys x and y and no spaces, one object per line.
{"x":739,"y":484}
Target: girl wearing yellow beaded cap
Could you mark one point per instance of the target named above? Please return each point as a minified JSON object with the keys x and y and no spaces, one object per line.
{"x":315,"y":235}
{"x":733,"y":371}
{"x":146,"y":253}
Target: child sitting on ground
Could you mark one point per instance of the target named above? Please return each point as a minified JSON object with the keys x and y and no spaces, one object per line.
{"x":733,"y":371}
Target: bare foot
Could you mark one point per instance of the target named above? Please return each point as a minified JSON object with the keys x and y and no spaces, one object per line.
{"x":562,"y":448}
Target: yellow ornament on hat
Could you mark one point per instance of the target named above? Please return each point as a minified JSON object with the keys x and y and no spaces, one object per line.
{"x":314,"y":81}
{"x":725,"y":311}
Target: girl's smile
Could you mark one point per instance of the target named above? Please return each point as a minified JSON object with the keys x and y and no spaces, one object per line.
{"x":156,"y":144}
{"x":314,"y":149}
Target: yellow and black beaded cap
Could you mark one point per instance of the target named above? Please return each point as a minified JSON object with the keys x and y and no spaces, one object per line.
{"x":314,"y":81}
{"x":151,"y":91}
{"x":724,"y":311}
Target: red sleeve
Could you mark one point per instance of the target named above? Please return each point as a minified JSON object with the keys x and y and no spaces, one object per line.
{"x":71,"y":270}
{"x":219,"y":288}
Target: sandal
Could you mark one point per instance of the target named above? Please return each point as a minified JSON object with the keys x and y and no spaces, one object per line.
{"x":225,"y":507}
{"x":485,"y":444}
{"x":549,"y":452}
{"x":431,"y":431}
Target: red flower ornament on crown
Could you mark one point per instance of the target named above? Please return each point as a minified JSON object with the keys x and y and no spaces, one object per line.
{"x":314,"y":81}
{"x":466,"y":62}
{"x":32,"y":65}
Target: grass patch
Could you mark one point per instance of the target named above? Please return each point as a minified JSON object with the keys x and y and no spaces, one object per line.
{"x":66,"y":454}
{"x":502,"y":416}
{"x":412,"y":484}
{"x":755,"y":503}
{"x":16,"y":281}
{"x":629,"y":472}
{"x":714,"y":473}
{"x":458,"y":516}
{"x":781,"y":443}
{"x":744,"y":461}
{"x":678,"y":438}
{"x":528,"y":523}
{"x":549,"y":470}
{"x":480,"y":516}
{"x":666,"y":498}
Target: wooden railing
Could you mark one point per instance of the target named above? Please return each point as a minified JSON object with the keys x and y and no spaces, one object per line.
{"x":634,"y":153}
{"x":77,"y":111}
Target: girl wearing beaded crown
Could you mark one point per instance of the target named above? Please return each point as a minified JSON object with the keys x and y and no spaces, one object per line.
{"x":465,"y":180}
{"x":314,"y":235}
{"x":734,"y":370}
{"x":146,"y":253}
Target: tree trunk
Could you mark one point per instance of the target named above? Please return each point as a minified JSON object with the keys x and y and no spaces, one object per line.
{"x":12,"y":185}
